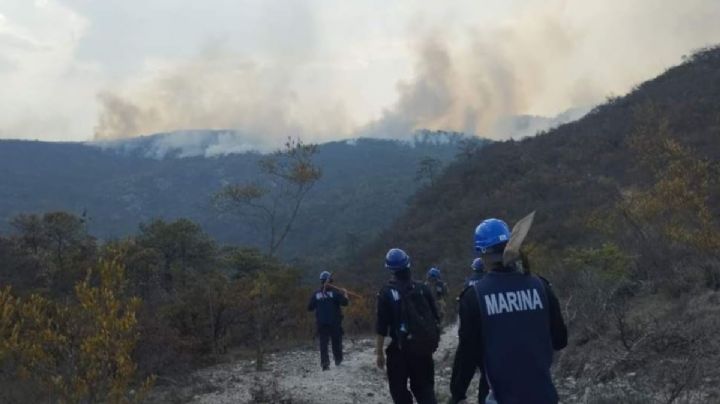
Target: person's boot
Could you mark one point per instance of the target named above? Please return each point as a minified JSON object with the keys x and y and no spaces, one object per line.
{"x":338,"y":362}
{"x":325,"y":366}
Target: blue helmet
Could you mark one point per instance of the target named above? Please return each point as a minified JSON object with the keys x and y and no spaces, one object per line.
{"x":491,"y":232}
{"x":434,"y":273}
{"x":324,"y":276}
{"x":477,"y":264}
{"x":397,"y":259}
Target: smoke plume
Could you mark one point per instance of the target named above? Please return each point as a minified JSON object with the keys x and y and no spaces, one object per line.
{"x":547,"y":57}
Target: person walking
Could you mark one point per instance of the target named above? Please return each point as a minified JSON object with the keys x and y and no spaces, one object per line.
{"x":406,"y":312}
{"x":510,"y":323}
{"x":439,"y":289}
{"x":327,"y":302}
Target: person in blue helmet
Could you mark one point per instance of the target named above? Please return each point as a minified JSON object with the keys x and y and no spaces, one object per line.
{"x":327,"y":302}
{"x":406,"y":312}
{"x":510,"y":324}
{"x":478,"y":271}
{"x":439,"y":289}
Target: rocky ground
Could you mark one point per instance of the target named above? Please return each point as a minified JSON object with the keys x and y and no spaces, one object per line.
{"x":295,"y":377}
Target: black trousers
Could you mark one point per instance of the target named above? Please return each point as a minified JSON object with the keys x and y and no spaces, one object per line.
{"x":419,"y":370}
{"x":327,"y":334}
{"x":483,"y":388}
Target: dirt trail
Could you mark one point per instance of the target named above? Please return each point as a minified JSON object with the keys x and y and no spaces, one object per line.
{"x":295,"y":377}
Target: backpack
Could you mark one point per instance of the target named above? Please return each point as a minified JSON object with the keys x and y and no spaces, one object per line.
{"x":419,"y":333}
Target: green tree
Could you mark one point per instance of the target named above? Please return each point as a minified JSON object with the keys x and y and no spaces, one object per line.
{"x":60,"y":244}
{"x":182,"y":246}
{"x":428,"y":170}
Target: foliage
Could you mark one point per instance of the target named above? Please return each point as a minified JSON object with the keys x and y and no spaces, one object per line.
{"x":274,"y":206}
{"x":428,"y":169}
{"x":95,"y":341}
{"x":679,"y":198}
{"x":365,"y":185}
{"x":75,"y":352}
{"x":59,"y":244}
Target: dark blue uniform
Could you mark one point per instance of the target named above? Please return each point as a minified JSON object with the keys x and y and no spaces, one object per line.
{"x":510,"y":323}
{"x":402,"y":366}
{"x":470,"y":365}
{"x":328,"y":316}
{"x":474,"y":278}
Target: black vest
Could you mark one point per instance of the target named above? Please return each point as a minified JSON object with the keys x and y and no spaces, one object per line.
{"x":517,"y":344}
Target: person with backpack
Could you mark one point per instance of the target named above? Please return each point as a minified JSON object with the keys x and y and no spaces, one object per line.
{"x":510,"y":324}
{"x":406,"y":312}
{"x":439,"y":288}
{"x":326,"y":302}
{"x":478,"y":271}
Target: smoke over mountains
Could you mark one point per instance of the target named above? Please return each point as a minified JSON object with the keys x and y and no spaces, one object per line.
{"x":325,"y":71}
{"x":551,"y":56}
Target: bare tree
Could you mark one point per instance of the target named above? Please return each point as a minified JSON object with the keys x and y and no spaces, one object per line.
{"x":274,"y":202}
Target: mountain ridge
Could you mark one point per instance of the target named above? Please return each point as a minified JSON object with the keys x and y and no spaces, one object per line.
{"x":118,"y":189}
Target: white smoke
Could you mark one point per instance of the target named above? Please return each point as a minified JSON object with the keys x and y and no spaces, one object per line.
{"x":553,"y":56}
{"x":463,"y":66}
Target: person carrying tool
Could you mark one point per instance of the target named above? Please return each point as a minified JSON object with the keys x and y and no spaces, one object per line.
{"x":439,"y":289}
{"x":510,"y":323}
{"x":327,"y":302}
{"x":406,"y":311}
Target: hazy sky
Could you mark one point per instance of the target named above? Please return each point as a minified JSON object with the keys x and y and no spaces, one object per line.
{"x":84,"y":69}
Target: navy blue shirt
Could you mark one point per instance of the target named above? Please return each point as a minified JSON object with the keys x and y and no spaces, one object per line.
{"x":474,"y":278}
{"x":327,"y":306}
{"x":510,"y":323}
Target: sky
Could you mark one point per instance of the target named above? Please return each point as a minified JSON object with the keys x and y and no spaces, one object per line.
{"x":78,"y":70}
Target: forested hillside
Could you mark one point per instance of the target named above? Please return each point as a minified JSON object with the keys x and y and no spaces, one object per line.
{"x":88,"y":317}
{"x":627,"y":228}
{"x":364,"y":186}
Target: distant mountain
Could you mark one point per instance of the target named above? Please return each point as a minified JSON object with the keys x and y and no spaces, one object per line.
{"x":120,"y":184}
{"x":214,"y":143}
{"x":520,"y":126}
{"x":181,"y":144}
{"x":211,"y":143}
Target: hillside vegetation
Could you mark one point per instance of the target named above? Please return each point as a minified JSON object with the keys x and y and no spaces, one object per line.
{"x":88,"y":319}
{"x":627,"y":228}
{"x":365,"y":185}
